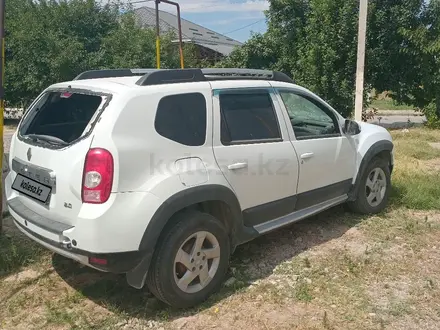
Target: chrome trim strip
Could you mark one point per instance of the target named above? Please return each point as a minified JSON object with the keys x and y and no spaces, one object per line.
{"x":34,"y":172}
{"x":299,"y":215}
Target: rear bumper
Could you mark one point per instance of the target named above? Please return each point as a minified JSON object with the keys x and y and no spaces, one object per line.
{"x":49,"y":234}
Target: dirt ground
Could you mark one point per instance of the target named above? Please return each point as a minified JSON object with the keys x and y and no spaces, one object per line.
{"x":333,"y":271}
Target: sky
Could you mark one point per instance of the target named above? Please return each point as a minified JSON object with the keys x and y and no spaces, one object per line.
{"x":235,"y":18}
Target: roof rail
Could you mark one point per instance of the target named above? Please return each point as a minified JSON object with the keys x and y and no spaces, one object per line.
{"x":112,"y":73}
{"x":217,"y":74}
{"x":157,"y":77}
{"x":170,"y":76}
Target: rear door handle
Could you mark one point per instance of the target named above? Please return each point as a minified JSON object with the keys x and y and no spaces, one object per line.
{"x":237,"y":166}
{"x":307,"y":155}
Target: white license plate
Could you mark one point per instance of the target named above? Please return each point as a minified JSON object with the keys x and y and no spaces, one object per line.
{"x":31,"y":188}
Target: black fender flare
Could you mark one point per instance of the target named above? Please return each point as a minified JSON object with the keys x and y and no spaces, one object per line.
{"x":373,"y":151}
{"x":175,"y":203}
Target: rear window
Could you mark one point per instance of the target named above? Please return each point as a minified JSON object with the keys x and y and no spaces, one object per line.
{"x":182,"y":118}
{"x":60,"y":116}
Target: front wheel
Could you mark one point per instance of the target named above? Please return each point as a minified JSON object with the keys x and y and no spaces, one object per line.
{"x":374,"y":188}
{"x":191,"y":261}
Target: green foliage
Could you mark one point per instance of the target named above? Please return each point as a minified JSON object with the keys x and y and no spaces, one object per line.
{"x":313,"y":41}
{"x":432,"y":117}
{"x":328,"y":53}
{"x":51,"y":41}
{"x":129,"y":46}
{"x":423,"y":45}
{"x":260,"y":51}
{"x":388,"y":62}
{"x":316,"y":42}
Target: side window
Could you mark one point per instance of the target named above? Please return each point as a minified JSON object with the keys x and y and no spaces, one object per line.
{"x":248,"y":117}
{"x":309,"y":118}
{"x":182,"y":118}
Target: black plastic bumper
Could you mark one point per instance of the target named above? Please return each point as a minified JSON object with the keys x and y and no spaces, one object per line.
{"x":122,"y":262}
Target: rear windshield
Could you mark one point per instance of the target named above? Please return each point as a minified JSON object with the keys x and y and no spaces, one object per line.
{"x":60,"y":117}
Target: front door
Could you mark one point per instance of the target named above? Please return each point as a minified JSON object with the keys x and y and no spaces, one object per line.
{"x":327,"y":157}
{"x":254,"y":152}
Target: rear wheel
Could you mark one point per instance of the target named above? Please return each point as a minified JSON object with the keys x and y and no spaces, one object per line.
{"x":191,"y":261}
{"x":374,"y":188}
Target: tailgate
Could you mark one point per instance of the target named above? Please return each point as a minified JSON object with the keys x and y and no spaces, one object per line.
{"x":49,"y":182}
{"x":48,"y":152}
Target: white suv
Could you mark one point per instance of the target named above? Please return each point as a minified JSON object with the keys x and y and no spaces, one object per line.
{"x":160,"y":174}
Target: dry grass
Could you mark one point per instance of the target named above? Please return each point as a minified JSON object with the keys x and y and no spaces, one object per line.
{"x":334,"y":271}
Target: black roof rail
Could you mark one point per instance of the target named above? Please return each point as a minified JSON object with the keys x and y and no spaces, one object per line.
{"x":112,"y":73}
{"x":157,"y":77}
{"x":170,"y":76}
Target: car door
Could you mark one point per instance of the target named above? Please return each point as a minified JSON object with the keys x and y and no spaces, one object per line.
{"x":254,"y":152}
{"x":327,"y":157}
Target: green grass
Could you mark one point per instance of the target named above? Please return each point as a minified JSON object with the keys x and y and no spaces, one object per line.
{"x":17,"y":252}
{"x":417,"y":149}
{"x":418,"y":191}
{"x":415,"y":186}
{"x":387,"y":104}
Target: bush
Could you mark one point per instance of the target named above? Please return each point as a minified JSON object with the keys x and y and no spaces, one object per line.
{"x":433,"y":120}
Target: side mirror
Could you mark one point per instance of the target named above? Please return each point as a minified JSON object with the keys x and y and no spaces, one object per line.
{"x":351,"y":127}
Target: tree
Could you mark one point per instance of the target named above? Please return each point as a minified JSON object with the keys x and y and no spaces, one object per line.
{"x":424,"y":48}
{"x":52,"y":41}
{"x":388,"y":61}
{"x":260,"y":51}
{"x":129,"y":46}
{"x":316,"y":42}
{"x":327,"y":53}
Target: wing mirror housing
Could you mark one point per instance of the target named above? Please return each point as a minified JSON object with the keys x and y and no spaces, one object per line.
{"x":351,"y":127}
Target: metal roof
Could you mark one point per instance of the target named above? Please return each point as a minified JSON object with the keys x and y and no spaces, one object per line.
{"x":191,"y":32}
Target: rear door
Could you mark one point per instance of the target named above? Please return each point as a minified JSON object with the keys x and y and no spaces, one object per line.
{"x":49,"y":149}
{"x":252,"y":148}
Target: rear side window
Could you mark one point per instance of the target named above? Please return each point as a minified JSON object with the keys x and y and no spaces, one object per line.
{"x":61,"y":116}
{"x":182,"y":118}
{"x":248,"y":117}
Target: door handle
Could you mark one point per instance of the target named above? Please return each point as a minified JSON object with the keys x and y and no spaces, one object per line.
{"x":307,"y":155}
{"x":237,"y":166}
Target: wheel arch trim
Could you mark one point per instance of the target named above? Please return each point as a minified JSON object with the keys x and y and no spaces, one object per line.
{"x":373,"y":151}
{"x":177,"y":202}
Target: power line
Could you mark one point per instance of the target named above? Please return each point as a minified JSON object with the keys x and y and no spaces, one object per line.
{"x":244,"y":27}
{"x":141,"y":1}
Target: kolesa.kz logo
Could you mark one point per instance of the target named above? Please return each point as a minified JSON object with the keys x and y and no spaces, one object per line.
{"x":27,"y":186}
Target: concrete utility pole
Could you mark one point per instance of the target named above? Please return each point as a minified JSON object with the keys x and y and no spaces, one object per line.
{"x":2,"y":100}
{"x":363,"y":10}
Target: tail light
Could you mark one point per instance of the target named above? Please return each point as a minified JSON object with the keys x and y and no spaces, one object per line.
{"x":97,"y":176}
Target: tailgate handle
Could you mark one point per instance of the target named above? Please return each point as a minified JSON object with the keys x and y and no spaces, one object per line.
{"x":237,"y":166}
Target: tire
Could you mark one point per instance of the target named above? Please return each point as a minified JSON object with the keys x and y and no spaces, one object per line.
{"x":165,"y":273}
{"x":362,"y":204}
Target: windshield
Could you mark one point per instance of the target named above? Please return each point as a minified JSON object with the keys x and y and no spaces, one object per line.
{"x":60,"y":118}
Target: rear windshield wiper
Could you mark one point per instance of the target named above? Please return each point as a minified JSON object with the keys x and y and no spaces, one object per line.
{"x":47,"y":138}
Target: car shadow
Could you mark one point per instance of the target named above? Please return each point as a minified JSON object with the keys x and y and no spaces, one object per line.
{"x":254,"y":260}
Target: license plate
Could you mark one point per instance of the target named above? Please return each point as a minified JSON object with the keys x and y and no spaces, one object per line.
{"x":31,"y":188}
